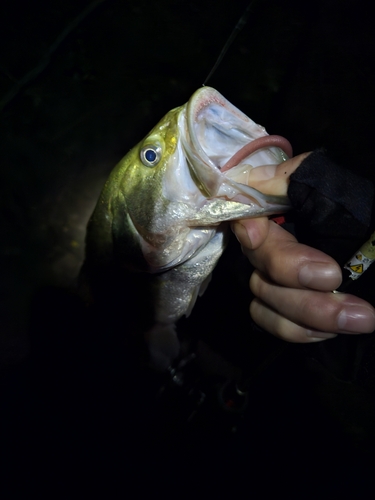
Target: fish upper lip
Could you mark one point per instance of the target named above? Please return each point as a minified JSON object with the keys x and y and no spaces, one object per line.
{"x":215,"y":131}
{"x":223,"y":124}
{"x":230,"y":125}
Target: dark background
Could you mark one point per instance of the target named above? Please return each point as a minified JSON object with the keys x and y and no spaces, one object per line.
{"x":76,"y":410}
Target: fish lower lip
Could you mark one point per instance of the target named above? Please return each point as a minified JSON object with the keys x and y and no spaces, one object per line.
{"x":268,"y":141}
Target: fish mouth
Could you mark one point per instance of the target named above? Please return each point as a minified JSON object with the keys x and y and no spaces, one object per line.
{"x":223,"y":145}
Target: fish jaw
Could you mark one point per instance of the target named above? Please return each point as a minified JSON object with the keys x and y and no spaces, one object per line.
{"x":212,"y":132}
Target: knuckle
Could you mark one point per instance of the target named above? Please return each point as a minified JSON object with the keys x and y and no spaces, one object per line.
{"x":253,"y":283}
{"x":291,"y":332}
{"x":320,"y":310}
{"x":279,"y":264}
{"x":258,"y":286}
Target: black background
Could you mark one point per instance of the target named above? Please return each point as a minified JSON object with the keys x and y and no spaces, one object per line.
{"x":76,"y":412}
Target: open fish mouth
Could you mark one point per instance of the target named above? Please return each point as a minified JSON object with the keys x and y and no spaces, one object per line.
{"x":223,"y":145}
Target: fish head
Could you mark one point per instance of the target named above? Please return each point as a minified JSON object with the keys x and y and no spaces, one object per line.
{"x":166,"y":198}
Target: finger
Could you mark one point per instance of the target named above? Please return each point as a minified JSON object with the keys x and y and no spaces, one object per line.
{"x":283,"y":328}
{"x":328,"y":312}
{"x":251,"y":233}
{"x":289,"y":166}
{"x":292,"y":264}
{"x":274,"y":179}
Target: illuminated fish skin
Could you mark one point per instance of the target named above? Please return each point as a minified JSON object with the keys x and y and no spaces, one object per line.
{"x":168,"y":218}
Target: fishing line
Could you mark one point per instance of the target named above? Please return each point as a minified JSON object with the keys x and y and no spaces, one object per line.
{"x":240,"y":24}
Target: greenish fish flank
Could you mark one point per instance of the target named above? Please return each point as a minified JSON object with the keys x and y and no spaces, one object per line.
{"x":162,"y":213}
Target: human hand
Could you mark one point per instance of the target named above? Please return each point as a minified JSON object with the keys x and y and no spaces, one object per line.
{"x":292,"y":282}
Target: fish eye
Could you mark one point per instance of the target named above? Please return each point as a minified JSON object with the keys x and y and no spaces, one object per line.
{"x":150,"y":155}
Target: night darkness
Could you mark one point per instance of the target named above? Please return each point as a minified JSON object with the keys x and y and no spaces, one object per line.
{"x":78,"y":413}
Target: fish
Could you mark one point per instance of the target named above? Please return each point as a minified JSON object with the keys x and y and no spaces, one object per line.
{"x":161,"y":222}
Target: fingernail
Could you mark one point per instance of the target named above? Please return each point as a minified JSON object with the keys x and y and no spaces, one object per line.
{"x":356,"y":319}
{"x":319,"y":275}
{"x":320,"y":335}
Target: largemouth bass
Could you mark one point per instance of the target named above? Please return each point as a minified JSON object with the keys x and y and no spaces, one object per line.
{"x":160,"y":222}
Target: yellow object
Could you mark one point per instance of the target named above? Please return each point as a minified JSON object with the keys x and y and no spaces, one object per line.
{"x":362,"y":259}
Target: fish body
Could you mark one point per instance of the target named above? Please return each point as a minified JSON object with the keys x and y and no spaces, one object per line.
{"x":164,"y":209}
